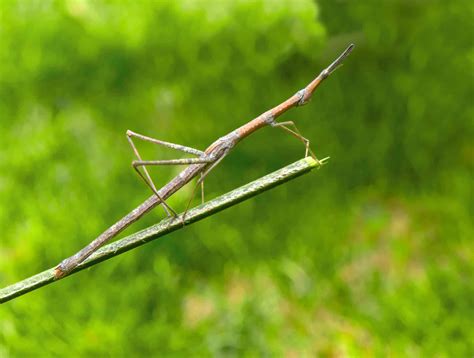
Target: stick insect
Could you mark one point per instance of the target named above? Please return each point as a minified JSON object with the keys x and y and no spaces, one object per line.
{"x":200,"y":165}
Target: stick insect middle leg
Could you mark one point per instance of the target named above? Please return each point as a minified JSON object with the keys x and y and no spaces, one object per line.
{"x":200,"y":182}
{"x":146,"y":176}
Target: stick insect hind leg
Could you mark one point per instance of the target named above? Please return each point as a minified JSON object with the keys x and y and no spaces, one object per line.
{"x":142,"y":163}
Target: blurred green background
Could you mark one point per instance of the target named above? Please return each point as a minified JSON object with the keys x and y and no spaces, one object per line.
{"x":370,"y":256}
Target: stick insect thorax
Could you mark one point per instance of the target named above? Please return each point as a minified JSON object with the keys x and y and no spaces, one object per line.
{"x":208,"y":160}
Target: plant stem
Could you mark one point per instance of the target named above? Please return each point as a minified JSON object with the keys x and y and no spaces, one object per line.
{"x":167,"y":225}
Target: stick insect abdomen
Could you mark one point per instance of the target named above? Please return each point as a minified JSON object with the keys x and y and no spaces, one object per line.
{"x":181,"y":179}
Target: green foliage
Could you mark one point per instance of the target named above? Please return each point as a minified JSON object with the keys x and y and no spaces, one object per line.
{"x":370,"y":256}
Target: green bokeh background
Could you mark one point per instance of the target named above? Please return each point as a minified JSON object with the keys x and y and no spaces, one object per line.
{"x":370,"y":256}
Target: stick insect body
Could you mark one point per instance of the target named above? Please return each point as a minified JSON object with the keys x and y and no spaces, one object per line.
{"x":201,"y":165}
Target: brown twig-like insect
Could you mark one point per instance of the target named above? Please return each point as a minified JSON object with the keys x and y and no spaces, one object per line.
{"x":200,"y":166}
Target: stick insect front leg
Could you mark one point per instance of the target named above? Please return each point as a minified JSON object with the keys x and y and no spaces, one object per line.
{"x":295,"y":133}
{"x":146,"y":176}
